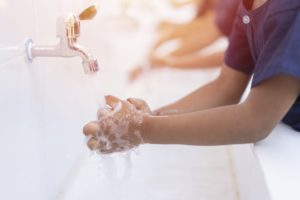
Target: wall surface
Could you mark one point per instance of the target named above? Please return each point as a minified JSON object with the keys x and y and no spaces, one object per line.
{"x":249,"y":176}
{"x":43,"y":104}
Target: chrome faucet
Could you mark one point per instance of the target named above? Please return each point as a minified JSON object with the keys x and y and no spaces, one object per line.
{"x":68,"y":31}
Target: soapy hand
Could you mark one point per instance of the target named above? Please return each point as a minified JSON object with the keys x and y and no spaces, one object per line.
{"x":118,"y":127}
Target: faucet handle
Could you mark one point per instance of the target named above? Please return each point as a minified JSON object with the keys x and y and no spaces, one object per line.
{"x":89,"y":13}
{"x":69,"y":25}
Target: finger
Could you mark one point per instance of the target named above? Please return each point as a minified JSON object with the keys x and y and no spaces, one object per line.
{"x":157,"y":112}
{"x":187,"y":45}
{"x":115,"y":150}
{"x":135,"y":139}
{"x":93,"y":144}
{"x":112,"y":101}
{"x":139,"y":104}
{"x":106,"y":150}
{"x":91,"y":129}
{"x":126,"y":107}
{"x":135,"y":74}
{"x":104,"y":112}
{"x":163,"y":25}
{"x":157,"y":61}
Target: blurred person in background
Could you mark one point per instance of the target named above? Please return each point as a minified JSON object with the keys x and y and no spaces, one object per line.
{"x":214,"y":20}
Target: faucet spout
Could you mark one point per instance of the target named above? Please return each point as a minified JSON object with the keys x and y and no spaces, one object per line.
{"x":68,"y":30}
{"x":89,"y":62}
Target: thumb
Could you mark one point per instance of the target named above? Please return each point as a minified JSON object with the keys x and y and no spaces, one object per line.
{"x":139,"y":104}
{"x":112,"y":101}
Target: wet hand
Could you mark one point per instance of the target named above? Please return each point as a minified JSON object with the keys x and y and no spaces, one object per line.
{"x":118,"y":127}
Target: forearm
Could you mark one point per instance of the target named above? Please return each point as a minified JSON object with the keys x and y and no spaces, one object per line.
{"x":225,"y":90}
{"x":203,"y":33}
{"x":247,"y":122}
{"x":203,"y":98}
{"x":170,"y":31}
{"x":194,"y":43}
{"x":195,"y":61}
{"x":220,"y":126}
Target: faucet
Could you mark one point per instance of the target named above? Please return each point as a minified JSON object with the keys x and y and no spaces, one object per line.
{"x":68,"y":31}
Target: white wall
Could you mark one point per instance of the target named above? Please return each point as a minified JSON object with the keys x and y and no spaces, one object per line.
{"x":248,"y":174}
{"x":43,"y":105}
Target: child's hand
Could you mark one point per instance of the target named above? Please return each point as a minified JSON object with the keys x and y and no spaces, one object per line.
{"x":157,"y":61}
{"x":118,"y":127}
{"x":154,"y":62}
{"x":135,"y":73}
{"x":140,"y":105}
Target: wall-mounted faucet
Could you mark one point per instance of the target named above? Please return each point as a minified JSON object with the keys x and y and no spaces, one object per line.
{"x":68,"y":31}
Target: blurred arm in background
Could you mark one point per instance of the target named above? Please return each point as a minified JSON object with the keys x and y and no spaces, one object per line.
{"x":213,"y":20}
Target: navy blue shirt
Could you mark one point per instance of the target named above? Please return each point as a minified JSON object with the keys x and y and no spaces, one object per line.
{"x":265,"y":42}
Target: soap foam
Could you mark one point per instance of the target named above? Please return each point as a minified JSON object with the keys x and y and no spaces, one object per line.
{"x":113,"y":130}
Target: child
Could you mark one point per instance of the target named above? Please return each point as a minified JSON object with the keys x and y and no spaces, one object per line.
{"x":265,"y":43}
{"x":214,"y":20}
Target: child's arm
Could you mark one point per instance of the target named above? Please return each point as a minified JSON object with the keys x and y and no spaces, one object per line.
{"x":202,"y":36}
{"x":193,"y":36}
{"x":227,"y":89}
{"x":194,"y":61}
{"x":248,"y":122}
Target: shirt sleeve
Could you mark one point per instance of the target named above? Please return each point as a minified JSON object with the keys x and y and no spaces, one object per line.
{"x":226,"y":11}
{"x":281,"y":51}
{"x":238,"y":55}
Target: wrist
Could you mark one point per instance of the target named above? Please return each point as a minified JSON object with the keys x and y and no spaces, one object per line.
{"x":146,"y":128}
